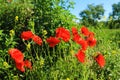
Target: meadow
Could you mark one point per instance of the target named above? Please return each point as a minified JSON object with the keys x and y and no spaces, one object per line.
{"x":42,"y":43}
{"x":60,"y":63}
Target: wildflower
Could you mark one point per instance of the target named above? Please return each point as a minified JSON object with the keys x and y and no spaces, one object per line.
{"x":16,"y":55}
{"x":26,"y":35}
{"x":91,"y":34}
{"x":80,"y":56}
{"x":16,"y":18}
{"x":28,"y":64}
{"x":12,"y":33}
{"x":63,"y":33}
{"x":41,"y":62}
{"x":28,"y":46}
{"x":53,"y":41}
{"x":37,"y":39}
{"x":20,"y":66}
{"x":67,"y":78}
{"x":74,"y":31}
{"x":15,"y":78}
{"x":44,"y":32}
{"x":72,"y":52}
{"x":114,"y":52}
{"x":83,"y":44}
{"x":100,"y":60}
{"x":91,"y":41}
{"x":77,"y":38}
{"x":85,"y":31}
{"x":6,"y":65}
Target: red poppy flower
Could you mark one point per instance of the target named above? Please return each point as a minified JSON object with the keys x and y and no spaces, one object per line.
{"x":63,"y":33}
{"x":26,"y":35}
{"x":28,"y":64}
{"x":91,"y":41}
{"x":91,"y":34}
{"x":20,"y":66}
{"x":77,"y":38}
{"x":80,"y":56}
{"x":85,"y":31}
{"x":100,"y":60}
{"x":37,"y":39}
{"x":74,"y":31}
{"x":53,"y":41}
{"x":83,"y":44}
{"x":16,"y":55}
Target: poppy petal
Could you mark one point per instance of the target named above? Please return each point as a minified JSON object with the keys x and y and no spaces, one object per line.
{"x":26,"y":35}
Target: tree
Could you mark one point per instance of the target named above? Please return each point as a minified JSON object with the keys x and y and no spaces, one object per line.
{"x":114,"y":17}
{"x":116,"y":11}
{"x":91,"y":15}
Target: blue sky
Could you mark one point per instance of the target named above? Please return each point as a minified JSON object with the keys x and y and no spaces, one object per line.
{"x":82,"y":4}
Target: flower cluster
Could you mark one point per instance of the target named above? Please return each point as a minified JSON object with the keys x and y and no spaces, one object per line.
{"x":26,"y":35}
{"x":18,"y":58}
{"x":85,"y":39}
{"x":61,"y":33}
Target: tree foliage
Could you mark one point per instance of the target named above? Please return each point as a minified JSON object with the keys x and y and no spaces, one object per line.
{"x":114,"y":18}
{"x":116,"y":11}
{"x":92,"y":14}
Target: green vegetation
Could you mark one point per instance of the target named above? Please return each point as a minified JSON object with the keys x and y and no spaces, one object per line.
{"x":42,"y":17}
{"x":91,"y":15}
